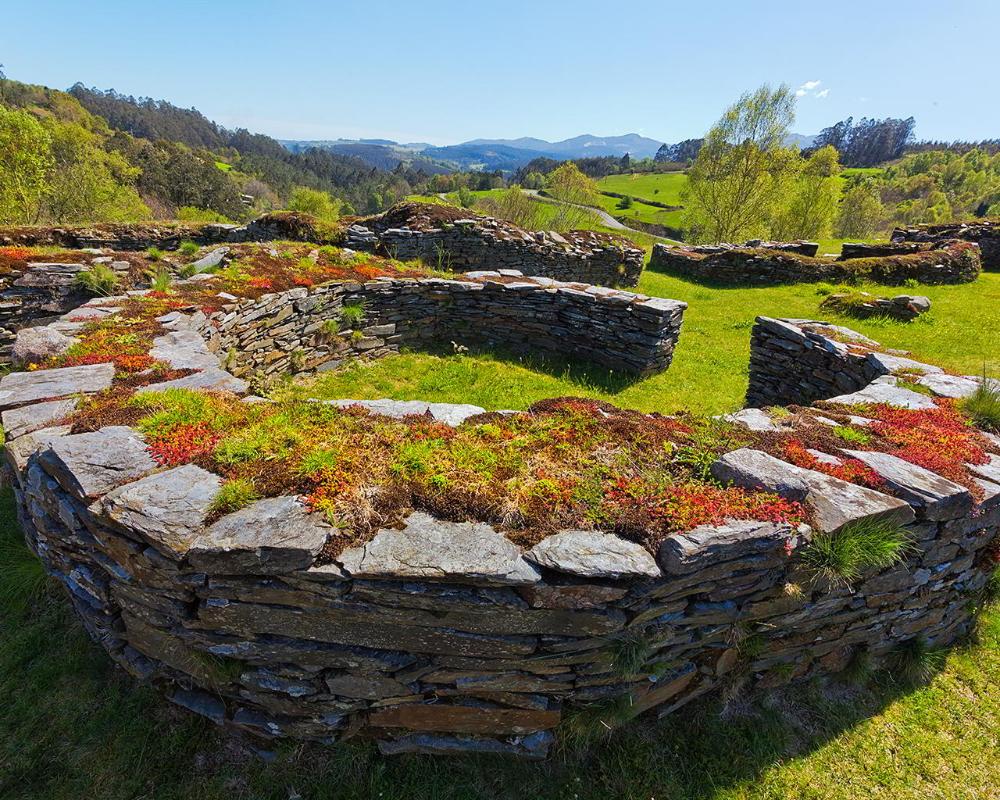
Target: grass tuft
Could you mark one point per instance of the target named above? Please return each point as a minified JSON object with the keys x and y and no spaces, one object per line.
{"x":914,"y":662}
{"x":858,"y":547}
{"x":232,"y":496}
{"x":99,"y":280}
{"x":630,"y":653}
{"x":22,"y":577}
{"x":983,"y":405}
{"x":584,"y":726}
{"x":352,"y":314}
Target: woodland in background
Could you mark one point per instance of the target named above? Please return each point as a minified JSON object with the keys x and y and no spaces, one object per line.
{"x":88,"y":155}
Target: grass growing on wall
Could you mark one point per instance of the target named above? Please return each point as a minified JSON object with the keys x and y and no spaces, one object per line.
{"x":73,"y":726}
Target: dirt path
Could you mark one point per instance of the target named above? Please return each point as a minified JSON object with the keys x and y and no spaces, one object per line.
{"x":605,"y":217}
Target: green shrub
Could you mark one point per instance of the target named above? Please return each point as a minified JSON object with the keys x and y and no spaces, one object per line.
{"x":232,"y":496}
{"x":330,"y":327}
{"x":859,"y":546}
{"x":161,"y":280}
{"x":983,"y":405}
{"x":625,"y":203}
{"x":99,"y":279}
{"x":155,"y":254}
{"x":352,"y":314}
{"x":188,"y":248}
{"x":194,"y":214}
{"x":466,"y":199}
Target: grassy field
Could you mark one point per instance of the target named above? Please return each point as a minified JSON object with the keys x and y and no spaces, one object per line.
{"x":663,"y":187}
{"x":709,"y":373}
{"x":74,"y":727}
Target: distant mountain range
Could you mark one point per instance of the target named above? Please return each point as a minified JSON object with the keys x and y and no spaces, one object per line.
{"x":489,"y":155}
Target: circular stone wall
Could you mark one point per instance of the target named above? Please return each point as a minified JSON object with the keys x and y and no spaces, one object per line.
{"x":445,"y":636}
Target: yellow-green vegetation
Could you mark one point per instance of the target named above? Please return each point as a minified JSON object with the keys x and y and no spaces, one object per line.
{"x":663,"y":187}
{"x":73,"y":726}
{"x":709,"y":372}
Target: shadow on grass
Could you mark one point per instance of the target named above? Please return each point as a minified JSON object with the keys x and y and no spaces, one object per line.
{"x":73,"y":726}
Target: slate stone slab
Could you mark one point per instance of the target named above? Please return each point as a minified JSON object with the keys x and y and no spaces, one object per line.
{"x":445,"y":551}
{"x":464,"y":719}
{"x":954,"y":386}
{"x":20,"y":388}
{"x":19,"y":421}
{"x":535,"y":746}
{"x":834,"y":503}
{"x":20,"y":450}
{"x":88,"y":465}
{"x":448,"y":413}
{"x":754,"y":419}
{"x":183,"y":350}
{"x":885,"y":393}
{"x":707,"y":545}
{"x":213,"y":379}
{"x":166,"y":509}
{"x":937,"y":498}
{"x":591,"y":554}
{"x":270,"y":537}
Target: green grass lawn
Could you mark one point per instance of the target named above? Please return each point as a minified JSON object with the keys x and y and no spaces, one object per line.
{"x":663,"y":187}
{"x":709,"y":373}
{"x":74,"y":727}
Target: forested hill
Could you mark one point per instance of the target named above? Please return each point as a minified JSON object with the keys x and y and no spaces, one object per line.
{"x":157,"y":136}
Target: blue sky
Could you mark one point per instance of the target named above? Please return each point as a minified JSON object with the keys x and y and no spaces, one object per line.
{"x":445,"y":72}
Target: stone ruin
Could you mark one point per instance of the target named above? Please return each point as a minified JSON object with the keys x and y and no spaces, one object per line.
{"x":453,"y":239}
{"x":985,"y":233}
{"x":771,"y":263}
{"x":446,"y":637}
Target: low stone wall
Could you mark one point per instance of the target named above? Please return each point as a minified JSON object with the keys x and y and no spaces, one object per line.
{"x":169,"y":235}
{"x":985,"y":233}
{"x":948,"y":262}
{"x":444,"y":636}
{"x":487,"y":243}
{"x":290,"y":331}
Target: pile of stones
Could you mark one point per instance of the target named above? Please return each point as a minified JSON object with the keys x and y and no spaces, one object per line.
{"x":445,"y":636}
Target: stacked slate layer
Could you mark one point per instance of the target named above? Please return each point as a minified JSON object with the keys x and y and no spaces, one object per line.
{"x":487,"y":243}
{"x":949,"y":261}
{"x":627,"y":332}
{"x":445,"y":637}
{"x":985,"y":233}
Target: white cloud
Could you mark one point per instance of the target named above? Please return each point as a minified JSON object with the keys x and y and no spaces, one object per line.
{"x":809,"y":87}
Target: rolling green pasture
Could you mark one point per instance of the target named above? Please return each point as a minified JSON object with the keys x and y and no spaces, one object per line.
{"x":663,"y":187}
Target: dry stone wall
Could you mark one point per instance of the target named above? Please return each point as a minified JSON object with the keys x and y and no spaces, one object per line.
{"x":291,"y":331}
{"x":985,"y":233}
{"x":947,"y":262}
{"x":486,"y":243}
{"x":444,"y":636}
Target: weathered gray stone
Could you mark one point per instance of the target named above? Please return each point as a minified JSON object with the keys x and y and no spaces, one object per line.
{"x":183,"y":349}
{"x":19,"y":421}
{"x":436,"y":550}
{"x":535,"y":746}
{"x":591,"y":554}
{"x":953,"y":385}
{"x":88,"y":465}
{"x":707,"y":545}
{"x":200,"y":703}
{"x":270,"y":537}
{"x":166,"y":509}
{"x":213,"y":379}
{"x":20,"y":388}
{"x":754,"y":419}
{"x":209,"y":261}
{"x":888,"y":393}
{"x":448,"y":413}
{"x":365,"y":687}
{"x":834,"y":503}
{"x":937,"y":498}
{"x":37,"y":345}
{"x":887,"y":363}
